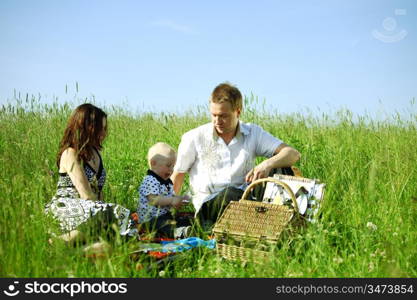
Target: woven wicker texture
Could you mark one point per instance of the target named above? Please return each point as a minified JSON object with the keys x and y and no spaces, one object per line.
{"x":254,"y":220}
{"x":240,"y":253}
{"x":249,"y":230}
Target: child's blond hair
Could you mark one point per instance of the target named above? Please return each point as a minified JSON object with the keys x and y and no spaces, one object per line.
{"x":160,"y":150}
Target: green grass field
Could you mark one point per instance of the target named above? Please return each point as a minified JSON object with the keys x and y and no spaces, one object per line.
{"x":369,"y":217}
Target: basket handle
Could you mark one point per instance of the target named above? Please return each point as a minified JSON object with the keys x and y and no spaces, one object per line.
{"x":276,"y":181}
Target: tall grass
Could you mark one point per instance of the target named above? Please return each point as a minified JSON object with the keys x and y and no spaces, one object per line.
{"x":369,"y":215}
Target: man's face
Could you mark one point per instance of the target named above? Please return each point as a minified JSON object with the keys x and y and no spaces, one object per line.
{"x":224,"y":118}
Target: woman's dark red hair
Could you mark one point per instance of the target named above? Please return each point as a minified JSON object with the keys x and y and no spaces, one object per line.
{"x":84,"y":132}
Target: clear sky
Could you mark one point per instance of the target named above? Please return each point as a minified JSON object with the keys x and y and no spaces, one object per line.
{"x":169,"y":55}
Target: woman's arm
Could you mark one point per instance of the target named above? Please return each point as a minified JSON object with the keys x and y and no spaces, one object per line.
{"x":71,"y":165}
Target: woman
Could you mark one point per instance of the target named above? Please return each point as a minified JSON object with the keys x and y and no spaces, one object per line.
{"x":78,"y":200}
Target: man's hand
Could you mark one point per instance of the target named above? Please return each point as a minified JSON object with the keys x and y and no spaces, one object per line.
{"x":285,"y":156}
{"x":260,"y":171}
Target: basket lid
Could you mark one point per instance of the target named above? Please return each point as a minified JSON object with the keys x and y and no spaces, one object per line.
{"x":254,"y":219}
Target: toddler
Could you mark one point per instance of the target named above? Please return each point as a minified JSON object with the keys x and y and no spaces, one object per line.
{"x":156,"y":195}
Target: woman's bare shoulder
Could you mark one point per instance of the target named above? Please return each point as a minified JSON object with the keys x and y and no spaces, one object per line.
{"x":68,"y":158}
{"x":69,"y":153}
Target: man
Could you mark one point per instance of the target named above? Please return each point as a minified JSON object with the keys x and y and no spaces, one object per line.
{"x":220,"y":156}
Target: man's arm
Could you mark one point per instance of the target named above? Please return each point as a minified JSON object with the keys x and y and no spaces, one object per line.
{"x":284,"y":156}
{"x":177,"y":180}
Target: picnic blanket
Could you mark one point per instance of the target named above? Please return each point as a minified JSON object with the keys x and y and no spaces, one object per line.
{"x":170,"y":247}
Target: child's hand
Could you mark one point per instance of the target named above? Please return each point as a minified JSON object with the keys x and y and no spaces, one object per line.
{"x":177,"y":202}
{"x":186,"y":199}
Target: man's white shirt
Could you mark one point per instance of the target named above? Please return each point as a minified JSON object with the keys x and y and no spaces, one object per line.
{"x":212,"y":165}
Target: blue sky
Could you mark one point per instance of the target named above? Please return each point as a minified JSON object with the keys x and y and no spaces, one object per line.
{"x":169,"y":55}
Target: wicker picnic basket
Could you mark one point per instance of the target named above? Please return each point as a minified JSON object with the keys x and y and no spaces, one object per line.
{"x":249,"y":230}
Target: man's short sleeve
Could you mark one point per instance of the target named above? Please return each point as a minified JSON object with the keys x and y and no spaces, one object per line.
{"x":186,"y":154}
{"x":266,"y":143}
